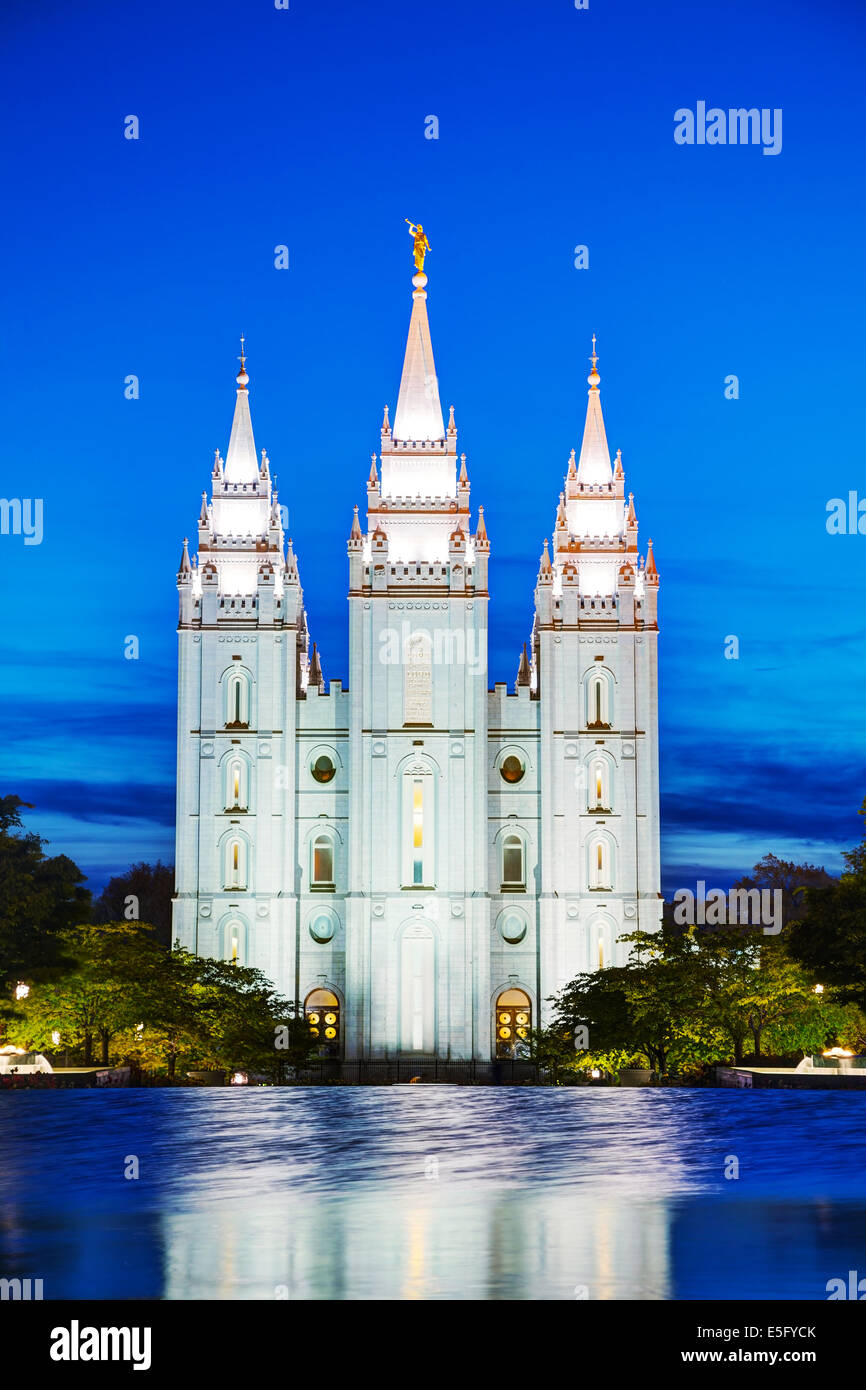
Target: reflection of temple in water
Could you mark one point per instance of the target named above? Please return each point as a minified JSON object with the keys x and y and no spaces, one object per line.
{"x":444,"y":1241}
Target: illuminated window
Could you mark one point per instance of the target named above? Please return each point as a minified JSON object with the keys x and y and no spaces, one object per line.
{"x":418,"y":830}
{"x":512,"y":1021}
{"x":417,"y":833}
{"x":237,"y":789}
{"x":234,"y":937}
{"x":322,"y":1012}
{"x":600,"y":874}
{"x":236,"y":864}
{"x":513,"y":869}
{"x":324,"y":769}
{"x":599,"y":794}
{"x":511,"y":769}
{"x":323,"y":862}
{"x":601,"y":948}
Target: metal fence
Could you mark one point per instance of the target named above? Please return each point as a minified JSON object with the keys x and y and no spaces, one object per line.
{"x":418,"y":1070}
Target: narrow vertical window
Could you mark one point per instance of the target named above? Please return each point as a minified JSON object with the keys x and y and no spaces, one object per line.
{"x":598,"y":702}
{"x":323,"y":862}
{"x":235,"y":865}
{"x":601,"y":948}
{"x":513,"y":873}
{"x":236,"y":785}
{"x":418,"y":830}
{"x":234,"y":945}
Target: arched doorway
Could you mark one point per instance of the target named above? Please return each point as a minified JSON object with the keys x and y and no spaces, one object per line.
{"x":418,"y":990}
{"x":512,"y":1019}
{"x":322,"y":1012}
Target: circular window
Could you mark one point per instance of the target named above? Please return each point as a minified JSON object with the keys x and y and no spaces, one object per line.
{"x":322,"y":928}
{"x":324,"y":769}
{"x":511,"y":769}
{"x":512,"y":927}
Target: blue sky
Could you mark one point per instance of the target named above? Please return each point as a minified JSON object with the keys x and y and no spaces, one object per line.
{"x":305,"y":127}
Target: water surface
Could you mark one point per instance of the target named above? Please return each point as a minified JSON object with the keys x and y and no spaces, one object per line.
{"x":414,"y":1192}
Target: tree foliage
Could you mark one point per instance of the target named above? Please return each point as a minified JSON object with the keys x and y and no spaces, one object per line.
{"x":39,"y":896}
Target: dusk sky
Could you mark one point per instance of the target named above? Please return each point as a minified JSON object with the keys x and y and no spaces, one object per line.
{"x":305,"y":127}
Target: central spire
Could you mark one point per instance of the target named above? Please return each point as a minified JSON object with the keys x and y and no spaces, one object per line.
{"x":241,"y":461}
{"x":594,"y":464}
{"x":419,"y":413}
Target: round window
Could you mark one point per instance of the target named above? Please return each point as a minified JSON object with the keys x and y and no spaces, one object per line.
{"x":513,"y":927}
{"x":322,"y":928}
{"x":511,"y":769}
{"x":324,"y":769}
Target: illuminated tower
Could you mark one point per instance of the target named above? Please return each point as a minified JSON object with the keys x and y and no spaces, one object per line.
{"x":417,"y":954}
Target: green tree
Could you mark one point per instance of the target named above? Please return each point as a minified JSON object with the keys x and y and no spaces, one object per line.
{"x":829,"y":936}
{"x":39,"y":897}
{"x":97,"y":997}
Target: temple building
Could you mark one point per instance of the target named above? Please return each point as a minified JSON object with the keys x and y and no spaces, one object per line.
{"x":418,"y":860}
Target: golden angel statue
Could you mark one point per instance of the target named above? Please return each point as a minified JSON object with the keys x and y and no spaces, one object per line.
{"x":422,"y":245}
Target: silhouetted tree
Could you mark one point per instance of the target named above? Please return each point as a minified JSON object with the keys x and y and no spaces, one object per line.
{"x":142,"y":894}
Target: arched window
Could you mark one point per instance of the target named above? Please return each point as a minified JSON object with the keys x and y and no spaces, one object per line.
{"x":322,"y":867}
{"x":600,"y":871}
{"x":235,"y":863}
{"x":238,"y":700}
{"x":322,"y":1012}
{"x":418,"y":828}
{"x":237,"y":785}
{"x":598,"y":701}
{"x":513,"y":865}
{"x":235,"y":945}
{"x":598,"y":798}
{"x":512,"y":1021}
{"x":600,"y":931}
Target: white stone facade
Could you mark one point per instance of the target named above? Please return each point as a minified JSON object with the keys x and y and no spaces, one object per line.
{"x":417,"y":845}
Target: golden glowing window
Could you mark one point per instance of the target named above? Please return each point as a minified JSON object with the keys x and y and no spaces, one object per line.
{"x":324,"y":769}
{"x":511,"y":769}
{"x":322,"y":1011}
{"x":513,"y":1020}
{"x":323,"y":862}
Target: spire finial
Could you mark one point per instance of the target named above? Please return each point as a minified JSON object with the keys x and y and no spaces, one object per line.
{"x":242,"y":378}
{"x":594,"y":377}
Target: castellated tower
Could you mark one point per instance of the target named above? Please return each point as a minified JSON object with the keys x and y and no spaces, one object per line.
{"x":243,"y":663}
{"x":418,"y":860}
{"x":595,"y":677}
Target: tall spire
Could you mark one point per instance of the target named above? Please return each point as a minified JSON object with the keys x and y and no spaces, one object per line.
{"x":241,"y":460}
{"x":419,"y":413}
{"x":594,"y":464}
